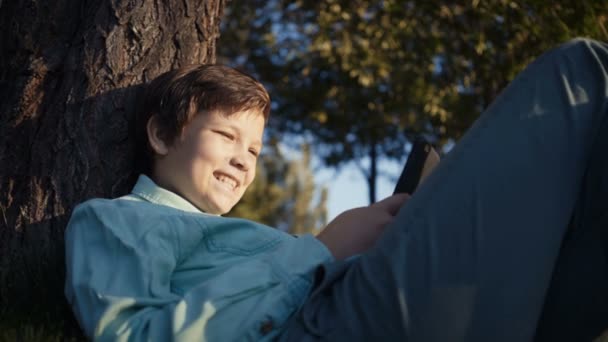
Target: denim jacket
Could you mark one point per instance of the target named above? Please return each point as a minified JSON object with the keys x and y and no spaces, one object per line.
{"x":151,"y":266}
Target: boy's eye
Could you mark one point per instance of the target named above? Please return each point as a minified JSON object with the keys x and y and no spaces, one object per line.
{"x":254,"y":152}
{"x":226,"y":134}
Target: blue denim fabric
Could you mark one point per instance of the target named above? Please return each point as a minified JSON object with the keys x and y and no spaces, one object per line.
{"x":576,"y":305}
{"x":471,"y":255}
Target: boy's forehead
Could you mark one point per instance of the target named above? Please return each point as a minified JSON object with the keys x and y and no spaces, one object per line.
{"x":247,"y":112}
{"x":233,"y":113}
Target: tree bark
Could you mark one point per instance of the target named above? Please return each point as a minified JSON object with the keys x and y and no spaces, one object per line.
{"x":69,"y":72}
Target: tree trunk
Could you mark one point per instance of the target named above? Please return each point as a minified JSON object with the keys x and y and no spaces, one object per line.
{"x":373,"y":172}
{"x":69,"y":71}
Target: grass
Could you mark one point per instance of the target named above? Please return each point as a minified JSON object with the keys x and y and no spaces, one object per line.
{"x":32,"y":303}
{"x":36,"y":333}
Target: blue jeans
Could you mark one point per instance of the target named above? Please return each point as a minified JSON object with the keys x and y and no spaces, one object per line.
{"x":470,"y":256}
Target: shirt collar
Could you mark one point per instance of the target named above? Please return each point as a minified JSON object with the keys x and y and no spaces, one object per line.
{"x":148,"y":190}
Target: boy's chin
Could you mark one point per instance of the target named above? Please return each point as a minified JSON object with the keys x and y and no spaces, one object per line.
{"x":218,"y":208}
{"x":215,"y":211}
{"x":221,"y":211}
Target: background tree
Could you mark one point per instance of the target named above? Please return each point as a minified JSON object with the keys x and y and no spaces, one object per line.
{"x":359,"y":78}
{"x":284,"y":194}
{"x":68,"y":76}
{"x":430,"y":66}
{"x":305,"y":216}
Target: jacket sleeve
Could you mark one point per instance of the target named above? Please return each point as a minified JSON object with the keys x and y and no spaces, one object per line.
{"x":117,"y":283}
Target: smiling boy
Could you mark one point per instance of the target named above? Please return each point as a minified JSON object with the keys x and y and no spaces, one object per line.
{"x":160,"y":263}
{"x":469,"y":258}
{"x":209,"y":159}
{"x":214,"y":160}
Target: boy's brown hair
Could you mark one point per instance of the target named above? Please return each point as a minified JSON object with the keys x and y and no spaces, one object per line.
{"x":177,"y":96}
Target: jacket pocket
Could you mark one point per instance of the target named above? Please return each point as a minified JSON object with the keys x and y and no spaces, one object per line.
{"x":240,"y":237}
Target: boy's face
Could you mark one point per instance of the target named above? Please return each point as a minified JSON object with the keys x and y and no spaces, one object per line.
{"x":214,"y":160}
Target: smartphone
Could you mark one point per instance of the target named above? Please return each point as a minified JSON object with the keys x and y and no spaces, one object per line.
{"x":422,"y":160}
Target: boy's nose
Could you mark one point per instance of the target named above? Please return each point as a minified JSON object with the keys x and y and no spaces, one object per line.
{"x":240,"y":162}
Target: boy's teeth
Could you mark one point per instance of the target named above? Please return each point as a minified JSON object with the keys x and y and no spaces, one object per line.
{"x":227,"y":180}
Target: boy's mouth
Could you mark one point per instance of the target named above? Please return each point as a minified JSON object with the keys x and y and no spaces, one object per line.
{"x":228,"y":180}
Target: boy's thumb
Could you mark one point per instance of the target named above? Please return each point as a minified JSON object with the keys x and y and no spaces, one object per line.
{"x":392,"y":203}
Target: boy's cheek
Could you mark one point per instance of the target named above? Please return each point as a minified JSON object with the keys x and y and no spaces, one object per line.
{"x":250,"y":180}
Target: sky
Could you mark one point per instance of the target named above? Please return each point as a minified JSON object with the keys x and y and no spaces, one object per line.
{"x":347,"y":187}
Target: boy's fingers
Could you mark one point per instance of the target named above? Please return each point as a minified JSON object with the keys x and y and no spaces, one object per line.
{"x":392,"y":203}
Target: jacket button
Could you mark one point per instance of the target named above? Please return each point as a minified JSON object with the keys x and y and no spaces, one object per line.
{"x":266,"y":327}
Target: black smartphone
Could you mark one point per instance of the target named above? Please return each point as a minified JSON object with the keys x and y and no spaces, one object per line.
{"x":422,"y":159}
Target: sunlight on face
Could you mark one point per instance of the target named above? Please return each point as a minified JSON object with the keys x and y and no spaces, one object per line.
{"x":214,"y":160}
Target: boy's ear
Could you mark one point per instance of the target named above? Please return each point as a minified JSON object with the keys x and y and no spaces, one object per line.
{"x":155,"y":138}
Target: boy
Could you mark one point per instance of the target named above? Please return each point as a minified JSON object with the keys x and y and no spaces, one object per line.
{"x":469,"y":258}
{"x":161,"y":263}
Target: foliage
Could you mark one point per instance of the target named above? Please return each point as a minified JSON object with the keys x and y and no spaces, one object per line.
{"x":361,"y":77}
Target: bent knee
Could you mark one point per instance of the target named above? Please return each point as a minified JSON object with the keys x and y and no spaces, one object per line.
{"x":581,"y":40}
{"x":580,"y":44}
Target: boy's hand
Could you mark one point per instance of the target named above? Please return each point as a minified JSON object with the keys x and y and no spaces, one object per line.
{"x":356,"y":230}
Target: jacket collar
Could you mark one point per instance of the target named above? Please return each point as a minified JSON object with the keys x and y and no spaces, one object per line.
{"x":149,"y":191}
